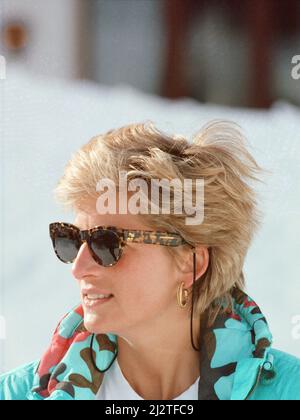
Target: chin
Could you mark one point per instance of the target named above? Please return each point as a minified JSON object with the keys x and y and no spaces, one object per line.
{"x":94,"y":324}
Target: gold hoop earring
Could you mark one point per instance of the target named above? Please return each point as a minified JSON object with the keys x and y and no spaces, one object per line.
{"x":182,"y":296}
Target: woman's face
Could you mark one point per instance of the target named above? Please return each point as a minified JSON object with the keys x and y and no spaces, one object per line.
{"x":143,"y":282}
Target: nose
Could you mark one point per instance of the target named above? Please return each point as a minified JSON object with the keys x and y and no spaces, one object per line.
{"x":84,"y":264}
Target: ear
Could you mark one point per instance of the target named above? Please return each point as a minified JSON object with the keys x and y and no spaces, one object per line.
{"x":187,"y":265}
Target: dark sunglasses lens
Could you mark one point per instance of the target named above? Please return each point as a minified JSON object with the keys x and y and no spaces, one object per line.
{"x":105,"y":244}
{"x":66,"y":244}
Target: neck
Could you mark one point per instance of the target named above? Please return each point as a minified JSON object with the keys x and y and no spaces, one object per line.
{"x":160,"y":363}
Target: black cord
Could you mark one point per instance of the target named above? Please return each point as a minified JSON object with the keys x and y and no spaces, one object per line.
{"x":93,"y":359}
{"x":193,"y":289}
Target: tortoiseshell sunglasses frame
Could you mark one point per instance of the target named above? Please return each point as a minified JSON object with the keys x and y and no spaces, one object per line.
{"x":124,"y":235}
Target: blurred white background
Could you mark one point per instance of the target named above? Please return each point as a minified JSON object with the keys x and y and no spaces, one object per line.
{"x":49,"y":109}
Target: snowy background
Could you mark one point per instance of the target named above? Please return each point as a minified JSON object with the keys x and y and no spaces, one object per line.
{"x":44,"y":121}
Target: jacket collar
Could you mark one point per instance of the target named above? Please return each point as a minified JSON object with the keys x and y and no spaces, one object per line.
{"x":235,"y":352}
{"x":234,"y":355}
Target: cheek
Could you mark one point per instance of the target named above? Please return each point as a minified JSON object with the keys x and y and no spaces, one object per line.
{"x":146,"y":278}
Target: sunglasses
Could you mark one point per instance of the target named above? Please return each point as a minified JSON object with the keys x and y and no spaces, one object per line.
{"x":105,"y":243}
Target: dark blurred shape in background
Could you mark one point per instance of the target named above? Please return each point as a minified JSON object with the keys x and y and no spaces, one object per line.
{"x":15,"y":36}
{"x":232,"y":52}
{"x":237,"y":45}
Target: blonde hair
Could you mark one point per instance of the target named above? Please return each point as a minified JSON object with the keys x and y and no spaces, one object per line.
{"x":218,"y":154}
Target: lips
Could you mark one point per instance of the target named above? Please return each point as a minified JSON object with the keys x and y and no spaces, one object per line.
{"x":93,"y":301}
{"x":96,"y":297}
{"x":94,"y":292}
{"x":93,"y":297}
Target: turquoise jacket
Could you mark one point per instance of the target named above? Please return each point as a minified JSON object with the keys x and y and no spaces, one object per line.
{"x":236,"y":359}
